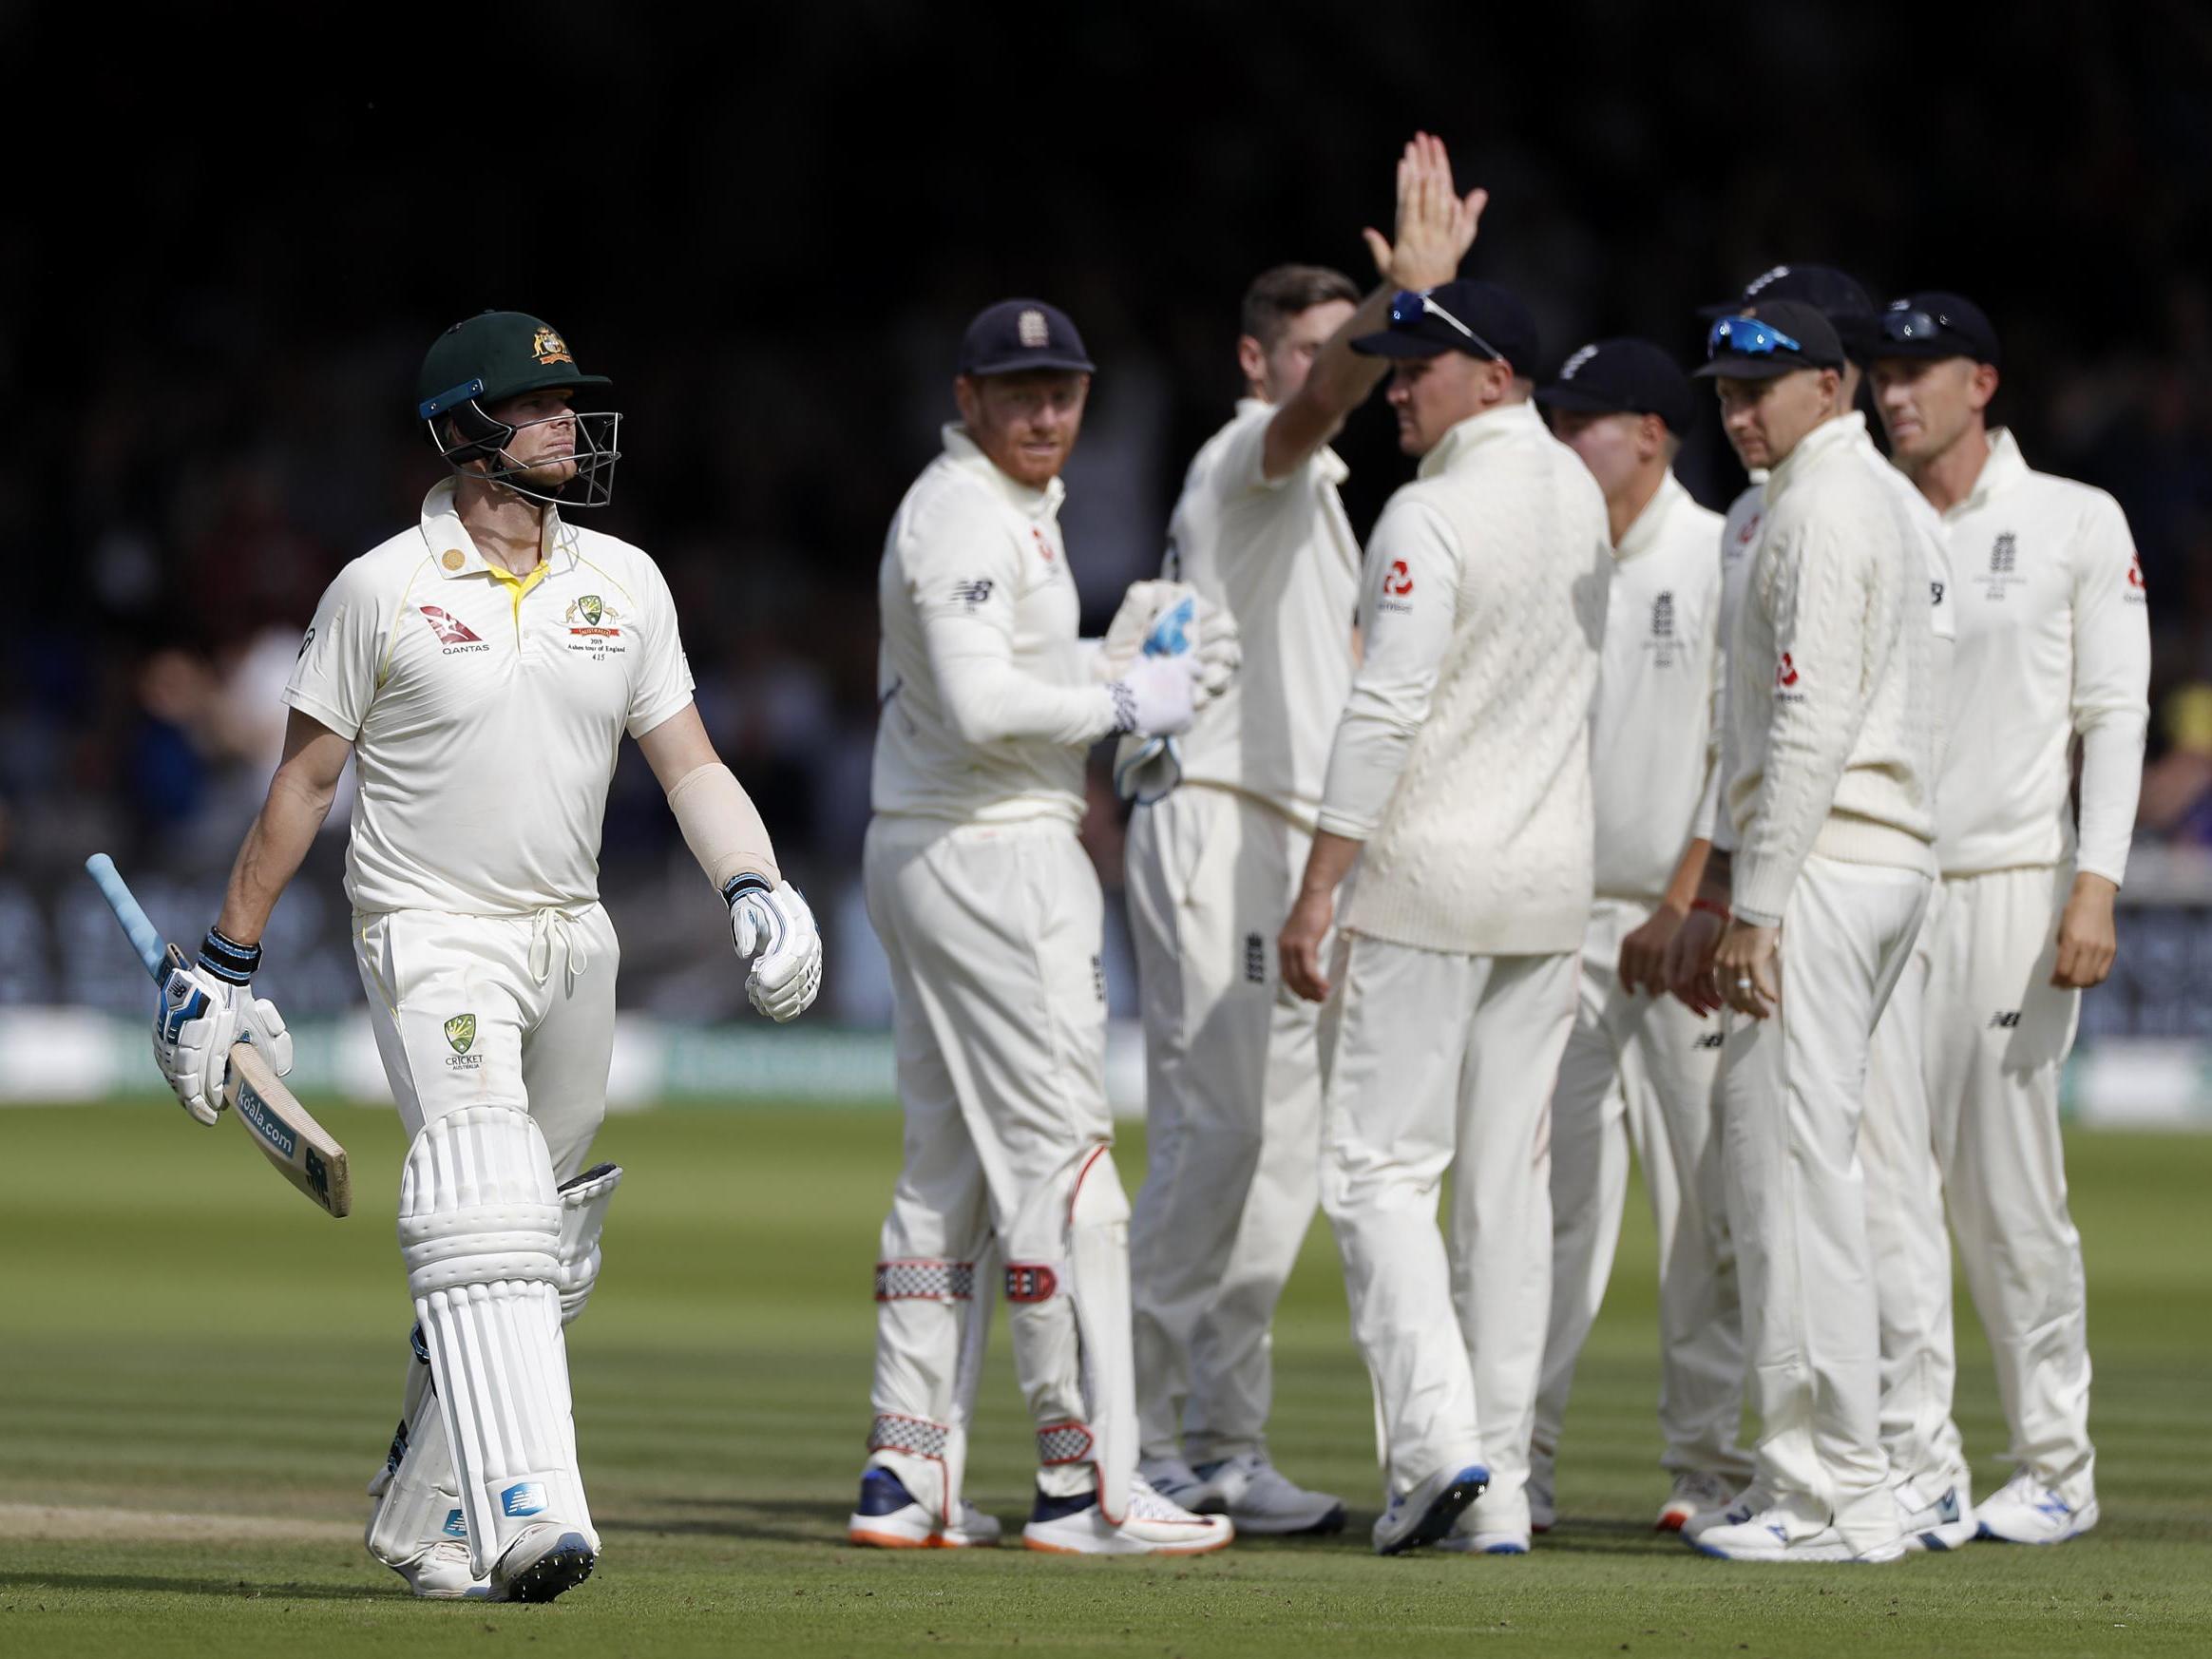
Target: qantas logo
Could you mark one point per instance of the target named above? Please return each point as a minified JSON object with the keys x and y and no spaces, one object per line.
{"x":450,"y":629}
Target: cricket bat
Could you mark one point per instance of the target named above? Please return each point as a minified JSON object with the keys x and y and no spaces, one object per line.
{"x":300,"y":1148}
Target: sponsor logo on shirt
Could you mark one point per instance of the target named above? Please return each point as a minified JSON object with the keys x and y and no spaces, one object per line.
{"x":1043,"y":546}
{"x":2007,"y":1020}
{"x":454,"y":636}
{"x":2135,"y":595}
{"x":1785,"y":678}
{"x":972,"y":594}
{"x":1397,"y":587}
{"x":310,"y":640}
{"x":1744,"y":537}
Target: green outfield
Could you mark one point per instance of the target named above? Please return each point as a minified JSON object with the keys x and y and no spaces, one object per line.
{"x":198,"y":1372}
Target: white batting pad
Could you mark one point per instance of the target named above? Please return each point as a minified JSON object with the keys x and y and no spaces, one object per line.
{"x":480,"y":1231}
{"x":417,"y":1502}
{"x":1098,"y":1284}
{"x":583,"y":1212}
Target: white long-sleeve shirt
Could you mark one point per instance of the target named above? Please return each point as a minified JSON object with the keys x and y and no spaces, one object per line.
{"x":1739,"y":540}
{"x":986,"y":695}
{"x":2054,"y":638}
{"x":1463,"y":758}
{"x":1280,"y":557}
{"x":1651,"y":756}
{"x":1832,"y":678}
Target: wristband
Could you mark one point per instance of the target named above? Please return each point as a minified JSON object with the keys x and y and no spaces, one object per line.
{"x":1710,"y":907}
{"x":739,"y":885}
{"x":228,"y":960}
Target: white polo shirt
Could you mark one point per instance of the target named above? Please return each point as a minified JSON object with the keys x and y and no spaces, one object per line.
{"x":1279,"y":556}
{"x":1651,"y":726}
{"x":486,"y":710}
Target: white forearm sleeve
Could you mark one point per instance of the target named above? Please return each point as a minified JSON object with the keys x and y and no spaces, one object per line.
{"x":2112,"y":781}
{"x":721,"y":826}
{"x":2111,"y":703}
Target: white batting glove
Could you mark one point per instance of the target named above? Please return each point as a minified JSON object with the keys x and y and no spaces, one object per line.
{"x":1124,"y":638}
{"x":774,"y":927}
{"x":1157,"y":696}
{"x":205,"y":1009}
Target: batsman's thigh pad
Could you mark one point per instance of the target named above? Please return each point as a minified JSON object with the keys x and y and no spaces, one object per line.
{"x":583,"y":1212}
{"x":480,"y":1232}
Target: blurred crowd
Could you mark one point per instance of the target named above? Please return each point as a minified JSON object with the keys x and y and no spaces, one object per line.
{"x":214,"y":439}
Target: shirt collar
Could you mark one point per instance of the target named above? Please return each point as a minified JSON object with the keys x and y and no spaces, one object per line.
{"x":1644,"y":529}
{"x":2004,"y":467}
{"x":1332,"y":467}
{"x":1841,"y":433}
{"x":1500,"y":420}
{"x":446,"y":537}
{"x":1041,"y":504}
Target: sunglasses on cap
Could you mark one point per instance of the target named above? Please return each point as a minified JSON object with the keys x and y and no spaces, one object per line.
{"x":1410,"y":305}
{"x":1746,"y":337}
{"x":1915,"y":328}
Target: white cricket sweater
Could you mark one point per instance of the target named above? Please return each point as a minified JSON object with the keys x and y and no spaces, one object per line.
{"x":1651,"y":724}
{"x":2054,"y":638}
{"x":1462,"y":757}
{"x":1831,"y":678}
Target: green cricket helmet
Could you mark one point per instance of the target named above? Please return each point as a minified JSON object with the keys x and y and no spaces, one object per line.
{"x":485,"y":359}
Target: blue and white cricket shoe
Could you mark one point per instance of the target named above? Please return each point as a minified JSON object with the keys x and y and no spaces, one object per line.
{"x":889,"y":1517}
{"x":2024,"y":1511}
{"x":1740,"y":1508}
{"x":1152,"y":1525}
{"x":542,"y":1562}
{"x":1427,"y":1513}
{"x":1946,"y":1521}
{"x":1781,"y":1534}
{"x":442,"y":1573}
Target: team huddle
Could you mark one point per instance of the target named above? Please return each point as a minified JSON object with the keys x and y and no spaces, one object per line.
{"x":1567,"y":818}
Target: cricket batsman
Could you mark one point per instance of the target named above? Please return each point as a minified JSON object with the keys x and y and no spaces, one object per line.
{"x":992,"y":919}
{"x":1826,"y":863}
{"x":1233,"y":1077}
{"x":2053,"y":646}
{"x":481,"y":668}
{"x":1640,"y":1068}
{"x":1460,"y":781}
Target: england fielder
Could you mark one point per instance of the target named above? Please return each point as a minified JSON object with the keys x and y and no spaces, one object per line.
{"x":481,"y":668}
{"x":2053,"y":644}
{"x":1639,"y":1067}
{"x":1460,"y":779}
{"x":1827,"y":859}
{"x":1234,"y":1079}
{"x":992,"y":919}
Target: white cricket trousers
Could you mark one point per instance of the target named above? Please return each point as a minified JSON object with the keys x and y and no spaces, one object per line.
{"x":1997,"y":1035}
{"x":1642,"y":1071}
{"x":507,"y":1010}
{"x":1232,"y":1111}
{"x":1438,"y":1062}
{"x":1904,"y":1226}
{"x":994,"y":934}
{"x":1792,"y":1094}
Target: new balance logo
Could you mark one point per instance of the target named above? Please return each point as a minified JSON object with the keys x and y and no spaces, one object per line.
{"x":2007,"y":1021}
{"x":1256,"y":959}
{"x":972,"y":594}
{"x":1710,"y":1039}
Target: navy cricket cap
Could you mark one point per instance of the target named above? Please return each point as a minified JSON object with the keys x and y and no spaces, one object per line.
{"x":1773,"y":337}
{"x":1837,"y":296}
{"x":1622,"y":376}
{"x":1016,"y":335}
{"x":1933,"y":324}
{"x":1479,"y":318}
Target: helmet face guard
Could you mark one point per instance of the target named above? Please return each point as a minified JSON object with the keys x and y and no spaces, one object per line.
{"x":475,"y":436}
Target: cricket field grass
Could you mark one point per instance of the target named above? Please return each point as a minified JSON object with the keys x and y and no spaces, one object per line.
{"x":198,"y":1373}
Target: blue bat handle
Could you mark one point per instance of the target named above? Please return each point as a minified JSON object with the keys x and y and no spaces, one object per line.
{"x":144,"y":937}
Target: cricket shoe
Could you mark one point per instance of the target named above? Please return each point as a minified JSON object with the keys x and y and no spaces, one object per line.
{"x":1945,"y":1523}
{"x":1496,"y":1523}
{"x":1260,"y":1498}
{"x":2024,"y":1511}
{"x":1484,"y":1543}
{"x":1740,"y":1508}
{"x":1176,"y":1481}
{"x":1693,"y":1494}
{"x":891,"y":1518}
{"x":544,"y":1561}
{"x":1782,"y":1534}
{"x":442,"y":1573}
{"x":1152,"y":1525}
{"x":1427,"y":1513}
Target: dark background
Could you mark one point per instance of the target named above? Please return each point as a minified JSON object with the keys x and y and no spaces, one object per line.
{"x":224,"y":249}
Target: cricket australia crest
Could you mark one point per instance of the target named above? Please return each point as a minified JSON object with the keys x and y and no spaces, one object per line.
{"x":461,"y":1032}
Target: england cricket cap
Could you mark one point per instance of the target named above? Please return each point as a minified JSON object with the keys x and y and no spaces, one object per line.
{"x":1933,"y":324}
{"x":1836,"y":293}
{"x":1773,"y":337}
{"x":1622,"y":376}
{"x":492,"y":355}
{"x":1016,"y":335}
{"x":1479,"y":318}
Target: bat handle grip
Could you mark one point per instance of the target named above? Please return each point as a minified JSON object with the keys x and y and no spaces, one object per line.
{"x":144,"y":937}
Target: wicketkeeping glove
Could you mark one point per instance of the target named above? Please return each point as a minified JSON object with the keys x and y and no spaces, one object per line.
{"x":206,"y":1008}
{"x":774,"y":927}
